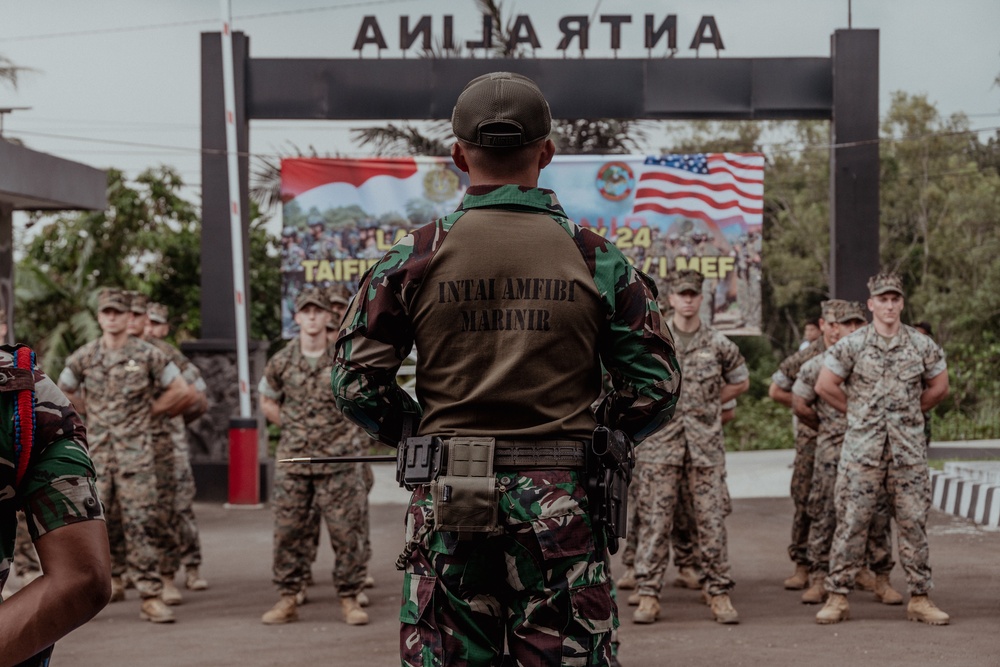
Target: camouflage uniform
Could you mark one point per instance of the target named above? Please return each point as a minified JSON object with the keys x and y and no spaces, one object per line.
{"x":822,"y":507}
{"x":805,"y":454}
{"x":118,"y":388}
{"x":884,"y":446}
{"x":58,"y":486}
{"x":485,"y":326}
{"x":690,"y":447}
{"x":312,"y":426}
{"x":180,"y":536}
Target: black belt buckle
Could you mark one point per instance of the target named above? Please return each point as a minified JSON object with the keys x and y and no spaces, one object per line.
{"x":421,"y":459}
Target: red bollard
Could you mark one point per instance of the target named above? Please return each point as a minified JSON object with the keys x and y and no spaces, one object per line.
{"x":244,"y":475}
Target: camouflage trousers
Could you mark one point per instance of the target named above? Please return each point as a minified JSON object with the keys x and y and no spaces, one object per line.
{"x":129,"y":494}
{"x":823,"y":517}
{"x":802,"y":474}
{"x":25,"y":558}
{"x":184,"y":543}
{"x":166,"y":494}
{"x":339,"y":498}
{"x":539,"y":585}
{"x":660,"y":487}
{"x":311,"y":532}
{"x":682,"y":535}
{"x":858,"y":490}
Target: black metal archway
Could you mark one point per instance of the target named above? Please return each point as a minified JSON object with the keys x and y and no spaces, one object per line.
{"x":842,"y":88}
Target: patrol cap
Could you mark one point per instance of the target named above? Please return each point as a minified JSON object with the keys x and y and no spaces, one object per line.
{"x":112,"y":298}
{"x":312,"y":295}
{"x":137,"y":302}
{"x":501,"y":110}
{"x":831,"y":309}
{"x":852,"y":310}
{"x":687,"y":281}
{"x":886,"y":281}
{"x":157,"y":312}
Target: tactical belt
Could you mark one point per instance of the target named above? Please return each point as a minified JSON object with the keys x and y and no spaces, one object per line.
{"x":539,"y":454}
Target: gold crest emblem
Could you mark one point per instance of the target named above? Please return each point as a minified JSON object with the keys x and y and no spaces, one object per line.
{"x":440,"y":184}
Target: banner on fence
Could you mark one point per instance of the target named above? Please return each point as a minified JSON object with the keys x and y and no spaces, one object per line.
{"x":666,"y":213}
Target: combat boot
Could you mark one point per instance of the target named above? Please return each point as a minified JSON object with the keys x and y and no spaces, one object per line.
{"x":353,"y":613}
{"x":633,"y":599}
{"x":192,"y":580}
{"x":153,"y":609}
{"x":170,"y":594}
{"x":835,"y":610}
{"x":301,"y":598}
{"x":363,"y":599}
{"x":922,"y":609}
{"x":884,"y":592}
{"x":688,"y":577}
{"x":627,"y":580}
{"x":865,"y":580}
{"x":648,"y":611}
{"x":284,"y":611}
{"x":117,"y":589}
{"x":723,"y":610}
{"x":369,"y":581}
{"x":799,"y":580}
{"x":816,"y":593}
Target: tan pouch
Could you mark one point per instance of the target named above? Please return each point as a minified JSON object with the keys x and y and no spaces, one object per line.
{"x":466,"y":499}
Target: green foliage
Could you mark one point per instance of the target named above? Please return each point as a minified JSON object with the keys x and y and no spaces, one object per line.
{"x":148,"y":239}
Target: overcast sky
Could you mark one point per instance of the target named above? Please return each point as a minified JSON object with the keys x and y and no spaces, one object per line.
{"x":116,"y":82}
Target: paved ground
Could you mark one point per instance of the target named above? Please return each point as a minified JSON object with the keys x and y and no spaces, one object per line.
{"x":221,"y":627}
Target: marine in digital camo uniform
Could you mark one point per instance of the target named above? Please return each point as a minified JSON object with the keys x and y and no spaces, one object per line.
{"x":805,"y":454}
{"x":691,"y":447}
{"x":884,"y":376}
{"x":46,"y":472}
{"x":512,"y":308}
{"x":182,"y":544}
{"x":118,"y":376}
{"x":830,"y":425}
{"x":295,"y":393}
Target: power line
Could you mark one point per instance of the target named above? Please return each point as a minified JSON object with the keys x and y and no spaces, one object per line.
{"x":194,"y":22}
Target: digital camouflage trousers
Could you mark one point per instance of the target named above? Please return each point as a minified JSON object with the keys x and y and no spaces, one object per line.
{"x":340,"y":498}
{"x":858,"y":490}
{"x":659,"y":492}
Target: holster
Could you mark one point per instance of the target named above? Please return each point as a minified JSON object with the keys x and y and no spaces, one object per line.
{"x":610,"y":462}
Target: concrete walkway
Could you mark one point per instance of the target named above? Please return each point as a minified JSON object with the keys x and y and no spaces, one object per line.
{"x":221,"y":627}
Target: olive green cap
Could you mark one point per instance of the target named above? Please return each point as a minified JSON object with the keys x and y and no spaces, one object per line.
{"x":501,"y":110}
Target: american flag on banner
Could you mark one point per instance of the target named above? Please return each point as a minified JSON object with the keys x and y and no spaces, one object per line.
{"x":715,"y":187}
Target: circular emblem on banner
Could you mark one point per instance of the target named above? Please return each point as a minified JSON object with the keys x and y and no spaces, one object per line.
{"x":440,"y":184}
{"x":615,"y":181}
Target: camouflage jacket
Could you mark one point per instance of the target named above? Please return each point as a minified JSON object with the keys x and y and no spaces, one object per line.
{"x":883,"y":382}
{"x":788,"y":370}
{"x":119,"y":387}
{"x":58,"y":487}
{"x":785,"y":377}
{"x":311,"y":424}
{"x":513,"y":308}
{"x":710,"y":361}
{"x":832,"y":422}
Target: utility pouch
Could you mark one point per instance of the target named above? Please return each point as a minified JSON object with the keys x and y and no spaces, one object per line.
{"x":466,"y":498}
